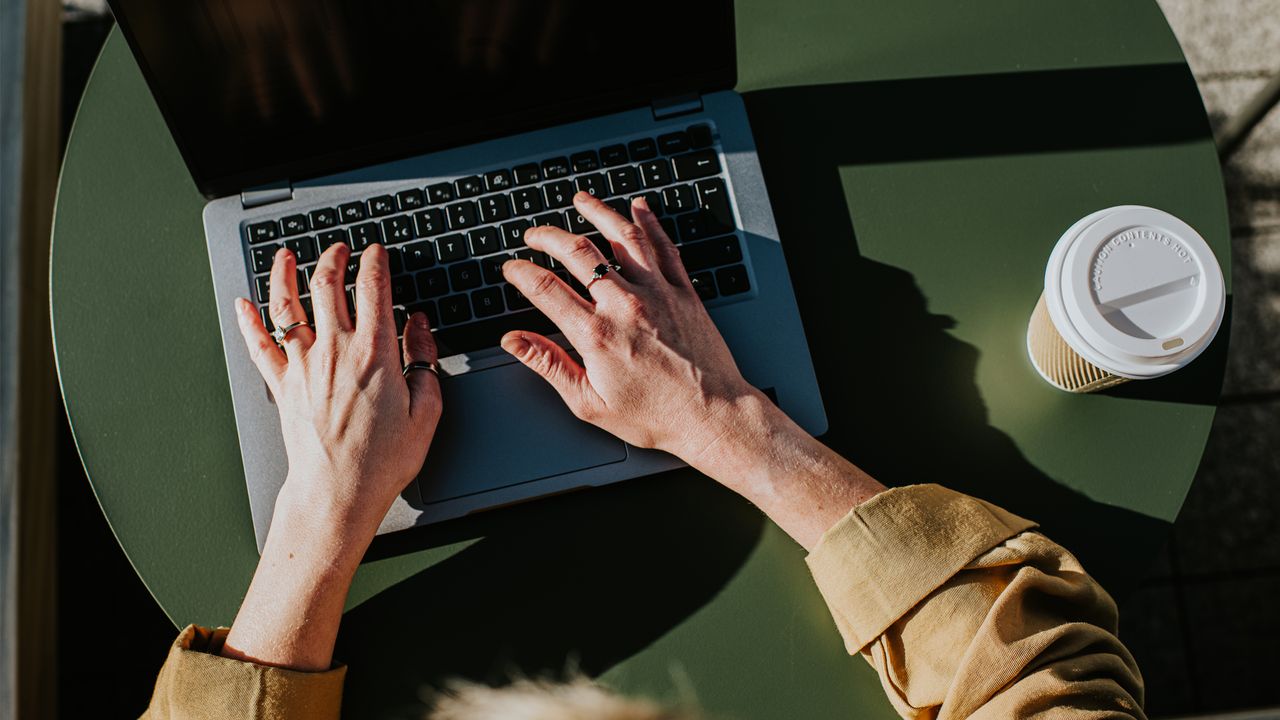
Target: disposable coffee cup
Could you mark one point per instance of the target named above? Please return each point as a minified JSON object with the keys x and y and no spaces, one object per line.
{"x":1130,"y":293}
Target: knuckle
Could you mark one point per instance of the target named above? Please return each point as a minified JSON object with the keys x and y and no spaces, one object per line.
{"x":632,"y":234}
{"x":324,"y":278}
{"x":280,"y":306}
{"x":586,"y":412}
{"x":581,"y":248}
{"x":542,"y":284}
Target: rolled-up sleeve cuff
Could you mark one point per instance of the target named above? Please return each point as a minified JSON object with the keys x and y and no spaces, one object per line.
{"x":197,"y":682}
{"x":890,"y":552}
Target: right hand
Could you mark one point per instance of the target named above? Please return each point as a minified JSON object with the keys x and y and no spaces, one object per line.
{"x":655,"y":371}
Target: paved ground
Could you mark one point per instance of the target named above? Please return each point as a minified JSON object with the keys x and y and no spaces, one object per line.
{"x":1205,"y":626}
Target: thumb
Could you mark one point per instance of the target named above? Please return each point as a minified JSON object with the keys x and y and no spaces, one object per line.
{"x":424,"y":386}
{"x":556,"y":367}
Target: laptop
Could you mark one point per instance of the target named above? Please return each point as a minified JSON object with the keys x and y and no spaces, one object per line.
{"x":443,"y":129}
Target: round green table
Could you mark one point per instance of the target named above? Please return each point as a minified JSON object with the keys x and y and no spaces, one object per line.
{"x":922,"y":158}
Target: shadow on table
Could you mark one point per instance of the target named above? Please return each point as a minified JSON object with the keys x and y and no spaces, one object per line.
{"x":594,"y":577}
{"x":915,"y":414}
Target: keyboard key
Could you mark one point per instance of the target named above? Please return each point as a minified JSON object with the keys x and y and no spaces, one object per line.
{"x":464,"y":275}
{"x":263,"y":257}
{"x":304,"y":248}
{"x":655,"y":173}
{"x":469,"y":186}
{"x":703,"y":285}
{"x":410,"y":199}
{"x":487,"y":302}
{"x":594,"y":184}
{"x":418,"y":256}
{"x":733,"y":280}
{"x":491,"y":269}
{"x":294,"y":225}
{"x":552,"y":218}
{"x":654,"y":200}
{"x":555,"y":168}
{"x":353,"y":269}
{"x":642,"y":149}
{"x":262,"y":284}
{"x":623,"y":180}
{"x":331,"y":237}
{"x":699,"y":136}
{"x":403,"y":290}
{"x":713,"y":197}
{"x":266,"y":319}
{"x":364,"y":235}
{"x":395,"y":261}
{"x":558,"y":194}
{"x":429,"y":222}
{"x":711,"y":253}
{"x":450,"y":248}
{"x":578,"y":224}
{"x":454,"y":309}
{"x":526,"y":174}
{"x":602,"y":244}
{"x":622,"y":206}
{"x":426,"y":307}
{"x":671,"y":143}
{"x":432,"y":283}
{"x":527,"y":201}
{"x":699,"y":225}
{"x":515,"y":299}
{"x":263,"y":231}
{"x":669,"y":227}
{"x":498,"y":180}
{"x":484,"y":241}
{"x":679,"y":198}
{"x":697,"y":164}
{"x":382,"y":205}
{"x":494,"y":208}
{"x":439,"y":193}
{"x":397,"y":229}
{"x":401,"y":319}
{"x":513,"y":233}
{"x":351,"y":212}
{"x":323,"y":218}
{"x":613,"y":155}
{"x":462,"y":216}
{"x":586,"y":161}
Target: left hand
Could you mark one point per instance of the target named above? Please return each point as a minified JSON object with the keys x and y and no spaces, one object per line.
{"x":356,"y":433}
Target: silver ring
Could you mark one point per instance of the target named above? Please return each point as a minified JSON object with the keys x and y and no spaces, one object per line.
{"x":280,"y":333}
{"x":421,"y":365}
{"x":600,"y":271}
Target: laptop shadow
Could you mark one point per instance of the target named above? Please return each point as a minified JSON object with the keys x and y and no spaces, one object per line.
{"x":591,"y":578}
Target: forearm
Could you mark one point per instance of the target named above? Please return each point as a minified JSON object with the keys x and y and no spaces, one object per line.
{"x":760,"y":453}
{"x":290,"y":615}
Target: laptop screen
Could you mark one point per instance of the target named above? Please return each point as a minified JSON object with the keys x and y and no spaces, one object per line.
{"x":261,"y":91}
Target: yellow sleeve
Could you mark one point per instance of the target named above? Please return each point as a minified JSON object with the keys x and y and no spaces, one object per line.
{"x":196,"y":683}
{"x":965,"y":612}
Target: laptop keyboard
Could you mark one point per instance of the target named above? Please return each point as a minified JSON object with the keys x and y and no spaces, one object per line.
{"x":447,"y":241}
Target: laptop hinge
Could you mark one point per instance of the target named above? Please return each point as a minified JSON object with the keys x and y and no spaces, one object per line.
{"x":674,"y":106}
{"x":265,"y":195}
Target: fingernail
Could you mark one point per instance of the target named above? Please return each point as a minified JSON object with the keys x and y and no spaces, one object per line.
{"x":516,"y":345}
{"x":641,"y":202}
{"x":420,"y":319}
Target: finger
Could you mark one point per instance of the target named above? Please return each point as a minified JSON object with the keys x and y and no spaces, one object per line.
{"x":550,"y":361}
{"x":634,"y":251}
{"x":424,"y":386}
{"x":374,"y":317}
{"x":263,"y":350}
{"x":668,"y":256}
{"x":285,"y":308}
{"x":551,"y":295}
{"x":576,"y":253}
{"x":328,"y":291}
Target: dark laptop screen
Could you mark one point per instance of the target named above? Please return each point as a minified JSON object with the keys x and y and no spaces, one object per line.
{"x":261,"y":90}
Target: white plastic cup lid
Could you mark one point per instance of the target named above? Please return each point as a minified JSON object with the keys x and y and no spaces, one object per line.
{"x":1135,"y":291}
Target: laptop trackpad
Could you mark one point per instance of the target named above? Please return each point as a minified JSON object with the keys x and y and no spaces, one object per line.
{"x":505,"y":426}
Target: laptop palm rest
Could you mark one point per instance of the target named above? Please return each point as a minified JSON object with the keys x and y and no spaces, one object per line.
{"x":504,"y":426}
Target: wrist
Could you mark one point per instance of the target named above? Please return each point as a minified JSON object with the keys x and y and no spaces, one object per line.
{"x":740,"y":437}
{"x":332,"y":531}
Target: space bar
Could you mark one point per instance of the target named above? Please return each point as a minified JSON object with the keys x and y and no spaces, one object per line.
{"x":485,"y":334}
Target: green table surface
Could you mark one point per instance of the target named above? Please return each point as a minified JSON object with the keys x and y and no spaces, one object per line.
{"x":922,"y":157}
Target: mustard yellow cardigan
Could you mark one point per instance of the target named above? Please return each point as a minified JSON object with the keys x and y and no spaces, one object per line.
{"x":962,"y":609}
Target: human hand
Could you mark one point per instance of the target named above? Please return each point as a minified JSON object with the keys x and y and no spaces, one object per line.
{"x":356,"y":433}
{"x":655,"y":370}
